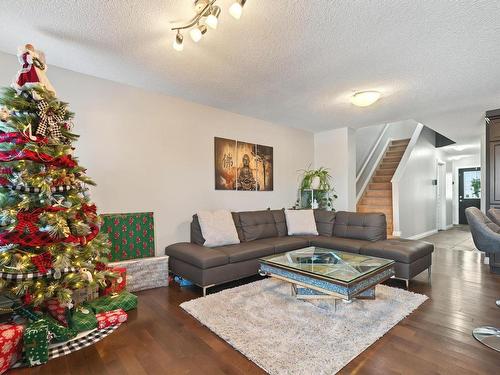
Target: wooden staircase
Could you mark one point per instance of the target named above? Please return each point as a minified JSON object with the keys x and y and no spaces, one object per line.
{"x":378,"y":194}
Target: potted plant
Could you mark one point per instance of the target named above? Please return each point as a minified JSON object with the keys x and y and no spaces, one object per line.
{"x":476,"y":187}
{"x":316,"y":189}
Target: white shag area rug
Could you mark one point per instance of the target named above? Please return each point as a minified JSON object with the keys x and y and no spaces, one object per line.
{"x":284,"y":335}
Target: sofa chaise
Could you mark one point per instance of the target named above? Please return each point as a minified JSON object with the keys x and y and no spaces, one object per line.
{"x":264,"y":233}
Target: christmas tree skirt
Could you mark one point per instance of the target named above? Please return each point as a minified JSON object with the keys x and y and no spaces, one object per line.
{"x":81,"y":341}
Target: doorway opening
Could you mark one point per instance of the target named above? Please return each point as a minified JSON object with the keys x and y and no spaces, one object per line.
{"x":469,"y":191}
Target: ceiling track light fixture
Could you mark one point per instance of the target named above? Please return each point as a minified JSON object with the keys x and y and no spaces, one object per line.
{"x":207,"y":14}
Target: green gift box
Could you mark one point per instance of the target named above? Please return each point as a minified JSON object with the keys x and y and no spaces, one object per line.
{"x":124,"y":300}
{"x":83,"y":318}
{"x":59,"y":332}
{"x":131,"y":235}
{"x":36,"y":343}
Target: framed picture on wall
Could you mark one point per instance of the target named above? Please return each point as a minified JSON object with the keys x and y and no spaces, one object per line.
{"x":264,"y":163}
{"x":225,"y":164}
{"x":243,"y":166}
{"x":246,"y":171}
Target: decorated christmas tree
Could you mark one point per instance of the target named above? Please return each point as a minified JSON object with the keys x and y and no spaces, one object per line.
{"x":50,"y":245}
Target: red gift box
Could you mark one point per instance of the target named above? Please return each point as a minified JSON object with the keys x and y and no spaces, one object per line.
{"x":116,"y":285}
{"x":111,"y":318}
{"x":10,"y":344}
{"x":58,"y":311}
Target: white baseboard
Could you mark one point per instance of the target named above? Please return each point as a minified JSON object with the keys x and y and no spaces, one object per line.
{"x":422,"y":235}
{"x":449,"y":226}
{"x":396,"y":234}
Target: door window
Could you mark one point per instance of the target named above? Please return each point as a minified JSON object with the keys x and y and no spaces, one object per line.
{"x":472,"y":184}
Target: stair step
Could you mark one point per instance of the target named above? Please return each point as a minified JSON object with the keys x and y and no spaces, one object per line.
{"x":378,"y":193}
{"x":394,"y":154}
{"x":391,"y":159}
{"x":381,"y":178}
{"x":401,"y":142}
{"x":385,"y":210}
{"x":389,"y":165}
{"x":385,"y":171}
{"x":376,"y":201}
{"x":400,"y":148}
{"x":380,"y":186}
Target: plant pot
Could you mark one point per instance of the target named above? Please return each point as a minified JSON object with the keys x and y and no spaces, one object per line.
{"x":315,"y":183}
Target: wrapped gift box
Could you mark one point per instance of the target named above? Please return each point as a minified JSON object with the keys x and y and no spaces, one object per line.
{"x":111,"y":318}
{"x":131,"y":235}
{"x":85,"y":294}
{"x":124,"y":300}
{"x":10,"y":344}
{"x":58,"y":311}
{"x":36,"y":343}
{"x":116,"y":285}
{"x":82,"y":318}
{"x":146,"y":273}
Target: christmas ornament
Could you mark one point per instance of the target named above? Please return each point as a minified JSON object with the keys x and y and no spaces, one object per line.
{"x":116,"y":285}
{"x":4,"y":114}
{"x":26,"y":222}
{"x":49,"y":121}
{"x":42,"y":262}
{"x":86,"y":275}
{"x":33,"y":71}
{"x":28,"y":134}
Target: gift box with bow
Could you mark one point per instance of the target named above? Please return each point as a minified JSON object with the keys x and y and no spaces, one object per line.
{"x":124,"y":300}
{"x":111,"y":318}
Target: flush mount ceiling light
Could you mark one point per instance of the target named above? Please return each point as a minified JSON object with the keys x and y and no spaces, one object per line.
{"x":365,"y":98}
{"x":207,"y":14}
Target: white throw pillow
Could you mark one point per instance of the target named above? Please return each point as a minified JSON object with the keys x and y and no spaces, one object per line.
{"x":301,"y":222}
{"x":218,"y":228}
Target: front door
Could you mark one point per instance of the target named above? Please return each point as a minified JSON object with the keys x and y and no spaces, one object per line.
{"x":469,"y":191}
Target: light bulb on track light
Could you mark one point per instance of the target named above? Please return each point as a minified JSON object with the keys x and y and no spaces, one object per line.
{"x":179,"y":42}
{"x":236,"y":9}
{"x":213,"y":19}
{"x":197,"y":32}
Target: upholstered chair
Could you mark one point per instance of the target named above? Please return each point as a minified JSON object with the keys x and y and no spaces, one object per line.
{"x":494,"y":215}
{"x":486,"y":236}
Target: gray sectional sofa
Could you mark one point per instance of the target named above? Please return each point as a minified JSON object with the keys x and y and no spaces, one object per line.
{"x":264,"y":233}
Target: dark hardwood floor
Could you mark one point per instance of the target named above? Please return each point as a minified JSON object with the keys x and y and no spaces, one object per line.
{"x":160,"y":338}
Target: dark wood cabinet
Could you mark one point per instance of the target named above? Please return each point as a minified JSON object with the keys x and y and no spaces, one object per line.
{"x":492,"y":185}
{"x":494,"y":173}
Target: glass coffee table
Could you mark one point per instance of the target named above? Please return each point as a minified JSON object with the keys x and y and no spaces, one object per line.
{"x":315,"y":272}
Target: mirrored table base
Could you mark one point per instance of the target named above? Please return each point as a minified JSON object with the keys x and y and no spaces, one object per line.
{"x":489,"y":336}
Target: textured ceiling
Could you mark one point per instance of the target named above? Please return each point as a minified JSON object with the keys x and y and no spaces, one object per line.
{"x":292,"y":62}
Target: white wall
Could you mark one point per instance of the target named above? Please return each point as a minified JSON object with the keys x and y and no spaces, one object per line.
{"x":336,"y":150}
{"x":152,"y":152}
{"x":417,"y":198}
{"x":365,"y":140}
{"x":449,"y":194}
